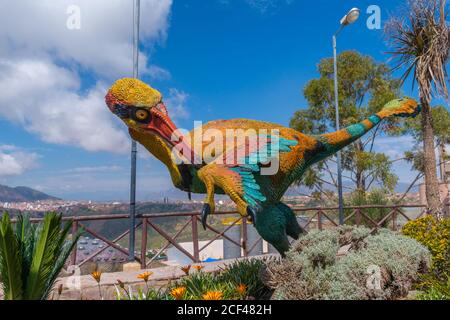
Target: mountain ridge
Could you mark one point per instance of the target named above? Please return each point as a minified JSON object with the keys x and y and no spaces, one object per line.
{"x":22,"y":194}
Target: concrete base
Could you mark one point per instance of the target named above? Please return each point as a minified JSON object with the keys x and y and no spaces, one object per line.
{"x":131,"y":266}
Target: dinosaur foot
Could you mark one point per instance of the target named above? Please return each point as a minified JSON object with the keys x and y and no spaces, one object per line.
{"x":206,"y":210}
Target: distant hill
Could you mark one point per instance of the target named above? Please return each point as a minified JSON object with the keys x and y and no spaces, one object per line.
{"x":19,"y":194}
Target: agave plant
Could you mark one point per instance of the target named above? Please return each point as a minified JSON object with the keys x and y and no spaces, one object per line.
{"x":31,"y":257}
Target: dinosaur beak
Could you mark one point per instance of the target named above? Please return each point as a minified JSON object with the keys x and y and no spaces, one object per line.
{"x":162,"y":124}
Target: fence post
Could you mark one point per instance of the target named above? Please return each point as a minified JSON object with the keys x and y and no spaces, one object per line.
{"x":319,"y":219}
{"x":195,"y":238}
{"x":144,"y":244}
{"x":358,"y":216}
{"x":244,"y":236}
{"x":73,"y":259}
{"x":394,"y":220}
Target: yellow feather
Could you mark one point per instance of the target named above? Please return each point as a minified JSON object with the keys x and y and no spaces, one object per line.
{"x":135,"y":92}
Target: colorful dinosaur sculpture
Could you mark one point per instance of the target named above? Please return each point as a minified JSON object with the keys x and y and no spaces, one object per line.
{"x":256,"y":195}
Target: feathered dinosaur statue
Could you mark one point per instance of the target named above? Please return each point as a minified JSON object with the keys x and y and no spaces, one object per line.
{"x":237,"y":170}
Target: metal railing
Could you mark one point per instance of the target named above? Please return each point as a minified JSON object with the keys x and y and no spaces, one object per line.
{"x":319,"y":217}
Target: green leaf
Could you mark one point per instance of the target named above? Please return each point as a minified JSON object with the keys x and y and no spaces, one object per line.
{"x":44,"y":257}
{"x":25,"y":232}
{"x":10,"y":261}
{"x":65,"y":247}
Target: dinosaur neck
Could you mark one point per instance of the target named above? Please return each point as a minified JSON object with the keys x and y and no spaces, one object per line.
{"x":158,"y":147}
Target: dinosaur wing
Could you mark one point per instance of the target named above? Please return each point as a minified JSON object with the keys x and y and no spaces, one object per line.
{"x":247,"y":160}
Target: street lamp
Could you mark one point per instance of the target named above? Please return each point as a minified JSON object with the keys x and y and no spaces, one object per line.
{"x":131,"y":245}
{"x":349,"y":18}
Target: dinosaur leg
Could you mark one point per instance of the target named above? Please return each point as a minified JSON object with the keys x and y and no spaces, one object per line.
{"x":213,"y":175}
{"x":293,"y":229}
{"x":271,"y":226}
{"x":209,"y":203}
{"x":282,"y":245}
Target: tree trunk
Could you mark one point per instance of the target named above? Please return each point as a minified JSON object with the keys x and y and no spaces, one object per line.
{"x":359,"y":175}
{"x":434,"y":204}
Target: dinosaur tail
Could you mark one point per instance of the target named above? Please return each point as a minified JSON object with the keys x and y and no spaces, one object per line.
{"x":405,"y":107}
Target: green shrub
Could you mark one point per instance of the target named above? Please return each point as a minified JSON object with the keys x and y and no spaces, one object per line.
{"x":149,"y":293}
{"x":435,"y":235}
{"x":314,"y":270}
{"x":246,"y":272}
{"x":435,"y":288}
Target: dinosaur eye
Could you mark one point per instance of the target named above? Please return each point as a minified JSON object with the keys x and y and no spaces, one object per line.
{"x":141,"y":114}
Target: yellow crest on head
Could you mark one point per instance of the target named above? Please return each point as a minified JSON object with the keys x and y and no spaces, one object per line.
{"x":135,"y":92}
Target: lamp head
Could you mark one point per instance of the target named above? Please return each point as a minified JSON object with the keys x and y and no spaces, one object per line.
{"x":350,"y":17}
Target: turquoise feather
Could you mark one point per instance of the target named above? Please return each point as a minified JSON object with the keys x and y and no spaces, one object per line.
{"x":252,"y":185}
{"x":250,"y":201}
{"x":274,"y":146}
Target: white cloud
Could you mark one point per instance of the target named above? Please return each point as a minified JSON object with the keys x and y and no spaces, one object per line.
{"x":394,"y":147}
{"x":103,"y":43}
{"x":176,"y":103}
{"x":265,"y":5}
{"x":99,"y":184}
{"x":95,"y":169}
{"x":41,"y":60}
{"x":42,"y":98}
{"x":14,"y":161}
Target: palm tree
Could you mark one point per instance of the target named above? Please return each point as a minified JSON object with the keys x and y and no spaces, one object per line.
{"x":421,"y":44}
{"x":31,"y":257}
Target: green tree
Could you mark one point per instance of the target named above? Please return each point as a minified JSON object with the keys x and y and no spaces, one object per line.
{"x":441,"y":125}
{"x":364,"y":87}
{"x":32,"y":257}
{"x":420,"y":39}
{"x":413,"y":126}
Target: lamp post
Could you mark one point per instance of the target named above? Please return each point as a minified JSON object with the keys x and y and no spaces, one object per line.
{"x":136,"y":9}
{"x":349,"y":18}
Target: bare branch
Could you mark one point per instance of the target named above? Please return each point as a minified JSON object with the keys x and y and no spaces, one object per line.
{"x":419,"y":175}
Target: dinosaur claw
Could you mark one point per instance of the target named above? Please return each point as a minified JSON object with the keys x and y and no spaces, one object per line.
{"x":206,"y":210}
{"x":252,"y":214}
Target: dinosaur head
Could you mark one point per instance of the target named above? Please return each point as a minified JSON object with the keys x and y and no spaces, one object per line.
{"x":140,"y":107}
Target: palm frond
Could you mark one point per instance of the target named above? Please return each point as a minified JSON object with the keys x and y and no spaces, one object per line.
{"x":25,"y":232}
{"x":65,"y":247}
{"x":421,"y":44}
{"x":10,"y":261}
{"x":31,"y":257}
{"x":44,"y":257}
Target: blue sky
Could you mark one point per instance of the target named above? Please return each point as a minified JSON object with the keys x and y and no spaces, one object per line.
{"x":211,"y":59}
